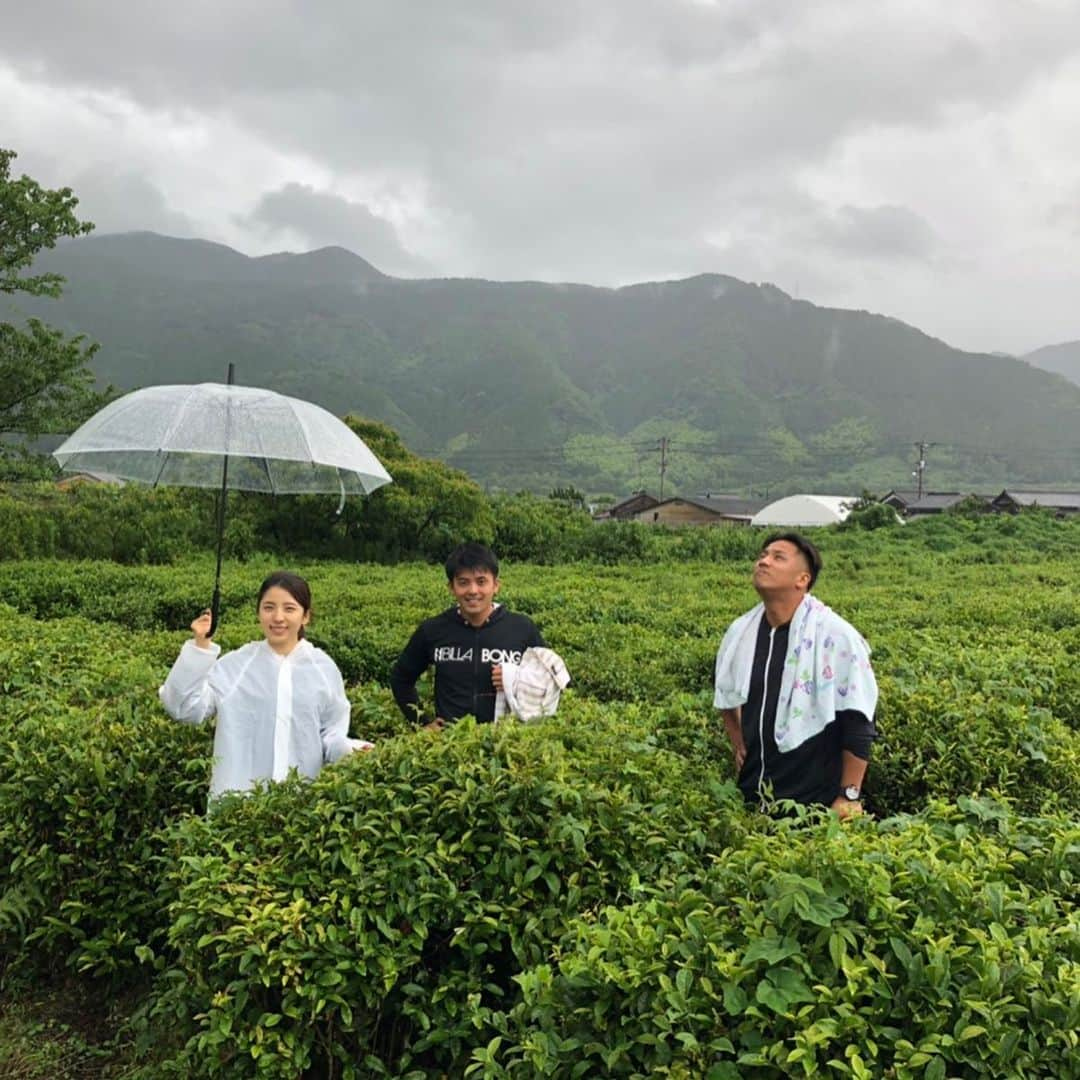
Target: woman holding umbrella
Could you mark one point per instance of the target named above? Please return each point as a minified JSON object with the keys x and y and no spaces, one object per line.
{"x":280,"y":702}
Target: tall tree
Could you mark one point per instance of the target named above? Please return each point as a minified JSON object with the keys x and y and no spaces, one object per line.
{"x":45,"y":381}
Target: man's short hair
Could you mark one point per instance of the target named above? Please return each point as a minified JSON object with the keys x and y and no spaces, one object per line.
{"x":471,"y":556}
{"x":810,"y":553}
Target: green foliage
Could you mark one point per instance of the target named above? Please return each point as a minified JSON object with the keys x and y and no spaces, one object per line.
{"x":971,"y":507}
{"x":580,"y":897}
{"x":92,"y":521}
{"x":429,"y":508}
{"x":32,"y":218}
{"x":46,"y":384}
{"x":426,"y":511}
{"x":88,"y":776}
{"x":20,"y":464}
{"x":810,"y":949}
{"x":867,"y":513}
{"x":540,"y":530}
{"x":569,"y":495}
{"x":377,"y":921}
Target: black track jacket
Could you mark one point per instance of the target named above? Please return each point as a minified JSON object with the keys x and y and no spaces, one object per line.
{"x":463,"y":656}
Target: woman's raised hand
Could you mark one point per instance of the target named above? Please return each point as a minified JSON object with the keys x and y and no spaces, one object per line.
{"x":201,"y":629}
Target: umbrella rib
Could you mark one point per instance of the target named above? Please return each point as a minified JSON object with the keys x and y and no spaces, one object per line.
{"x":266,"y":469}
{"x":265,"y":459}
{"x":176,"y":420}
{"x":307,"y":442}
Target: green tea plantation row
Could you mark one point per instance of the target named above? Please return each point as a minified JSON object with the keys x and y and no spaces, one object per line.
{"x":585,"y":896}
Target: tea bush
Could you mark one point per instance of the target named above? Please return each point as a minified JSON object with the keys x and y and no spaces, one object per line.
{"x":90,"y":771}
{"x":375,"y":922}
{"x":937,"y":743}
{"x":81,"y":855}
{"x":942,"y":945}
{"x":581,"y":897}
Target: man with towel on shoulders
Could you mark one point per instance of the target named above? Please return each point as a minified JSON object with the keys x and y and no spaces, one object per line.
{"x":795,"y":687}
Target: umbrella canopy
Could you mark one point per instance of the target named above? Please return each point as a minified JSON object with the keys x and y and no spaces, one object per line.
{"x":180,"y":435}
{"x":225,"y":437}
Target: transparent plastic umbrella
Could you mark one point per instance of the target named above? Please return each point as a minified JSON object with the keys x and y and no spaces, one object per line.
{"x":223,"y":436}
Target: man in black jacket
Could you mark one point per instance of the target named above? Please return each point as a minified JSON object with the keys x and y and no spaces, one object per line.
{"x":467,"y":643}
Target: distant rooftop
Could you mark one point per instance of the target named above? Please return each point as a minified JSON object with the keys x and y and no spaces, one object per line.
{"x":1069,"y":500}
{"x":942,"y":500}
{"x":734,"y":505}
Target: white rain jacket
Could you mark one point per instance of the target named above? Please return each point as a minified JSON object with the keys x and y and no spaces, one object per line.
{"x":274,"y":712}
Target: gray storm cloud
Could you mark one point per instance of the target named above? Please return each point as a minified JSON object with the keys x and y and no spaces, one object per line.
{"x":323,"y":219}
{"x":879,"y":231}
{"x":124,"y":201}
{"x":608,"y":141}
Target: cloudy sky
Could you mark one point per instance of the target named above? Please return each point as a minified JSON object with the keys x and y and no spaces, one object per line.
{"x":912,"y":157}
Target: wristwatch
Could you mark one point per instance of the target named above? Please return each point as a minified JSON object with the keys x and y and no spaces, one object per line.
{"x":852,"y":793}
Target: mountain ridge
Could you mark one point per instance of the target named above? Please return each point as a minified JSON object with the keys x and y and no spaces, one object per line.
{"x":1062,"y":359}
{"x":535,"y":384}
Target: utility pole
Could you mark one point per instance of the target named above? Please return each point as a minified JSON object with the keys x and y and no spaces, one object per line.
{"x":663,"y":446}
{"x":920,"y":465}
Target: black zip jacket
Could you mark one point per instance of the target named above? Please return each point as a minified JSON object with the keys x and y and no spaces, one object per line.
{"x":463,"y":656}
{"x":811,"y":772}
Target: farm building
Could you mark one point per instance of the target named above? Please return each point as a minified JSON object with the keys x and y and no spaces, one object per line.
{"x":1061,"y":502}
{"x":628,"y":508}
{"x":702,"y":510}
{"x":909,"y":504}
{"x":74,"y":480}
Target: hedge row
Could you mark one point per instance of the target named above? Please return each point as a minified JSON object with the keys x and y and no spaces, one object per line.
{"x":946,"y":945}
{"x":430,"y":509}
{"x":82,"y":858}
{"x":498,"y":859}
{"x":381,"y":915}
{"x":631,"y":633}
{"x":400,"y":919}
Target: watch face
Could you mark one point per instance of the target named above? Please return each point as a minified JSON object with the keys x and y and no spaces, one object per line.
{"x":852,"y":794}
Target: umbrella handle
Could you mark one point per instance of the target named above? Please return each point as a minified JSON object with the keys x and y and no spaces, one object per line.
{"x":215,"y":609}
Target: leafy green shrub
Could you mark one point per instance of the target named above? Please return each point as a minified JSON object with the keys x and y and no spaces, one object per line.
{"x":618,"y":541}
{"x":943,"y":945}
{"x":716,"y":544}
{"x":375,"y":922}
{"x":940,"y":743}
{"x":82,"y":804}
{"x":91,"y":521}
{"x":528,"y":528}
{"x":375,"y":714}
{"x":75,"y":667}
{"x":870,"y":516}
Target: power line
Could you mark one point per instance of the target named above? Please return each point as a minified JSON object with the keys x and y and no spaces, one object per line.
{"x":756,"y":453}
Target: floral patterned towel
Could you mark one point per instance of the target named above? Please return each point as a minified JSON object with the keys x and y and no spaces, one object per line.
{"x":827,"y":669}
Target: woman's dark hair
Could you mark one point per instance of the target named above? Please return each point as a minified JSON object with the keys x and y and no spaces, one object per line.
{"x":471,"y":556}
{"x":809,"y":552}
{"x":293,"y":584}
